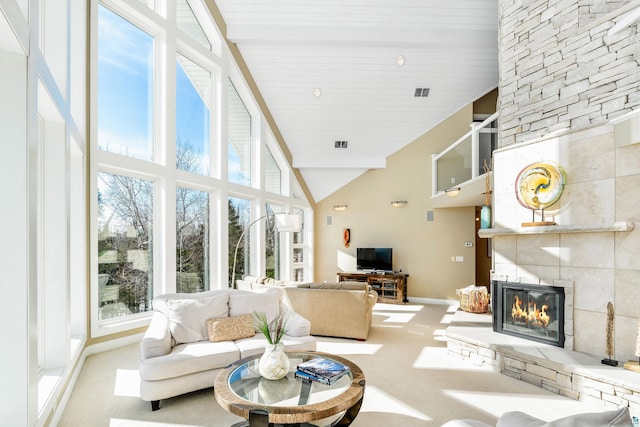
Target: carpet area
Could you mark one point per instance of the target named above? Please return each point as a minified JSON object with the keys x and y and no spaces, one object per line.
{"x":410,"y":381}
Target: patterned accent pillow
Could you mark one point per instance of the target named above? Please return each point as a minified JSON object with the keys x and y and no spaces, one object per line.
{"x":230,"y":328}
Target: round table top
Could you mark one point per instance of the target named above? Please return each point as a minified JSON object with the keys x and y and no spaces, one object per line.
{"x":239,"y":388}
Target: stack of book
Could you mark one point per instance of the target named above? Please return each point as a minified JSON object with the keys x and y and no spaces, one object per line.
{"x":322,"y":370}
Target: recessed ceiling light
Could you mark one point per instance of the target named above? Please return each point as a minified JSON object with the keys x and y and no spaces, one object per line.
{"x":317,"y":92}
{"x":400,"y":60}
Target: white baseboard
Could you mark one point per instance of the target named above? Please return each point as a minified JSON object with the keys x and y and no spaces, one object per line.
{"x":434,"y":301}
{"x":112,"y":344}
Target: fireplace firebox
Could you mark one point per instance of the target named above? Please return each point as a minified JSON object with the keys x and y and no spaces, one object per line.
{"x":532,"y":312}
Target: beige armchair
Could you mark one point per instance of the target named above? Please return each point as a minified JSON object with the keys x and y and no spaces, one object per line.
{"x":342,"y":309}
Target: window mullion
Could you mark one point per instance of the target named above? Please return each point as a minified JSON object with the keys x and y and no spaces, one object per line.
{"x":166,"y":122}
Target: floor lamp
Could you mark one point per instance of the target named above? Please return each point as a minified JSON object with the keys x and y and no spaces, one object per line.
{"x":284,"y":222}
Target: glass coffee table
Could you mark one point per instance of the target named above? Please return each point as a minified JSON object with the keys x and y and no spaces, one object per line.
{"x":289,"y":401}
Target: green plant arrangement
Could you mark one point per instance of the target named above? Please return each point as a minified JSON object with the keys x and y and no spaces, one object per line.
{"x":274,"y":363}
{"x":274,"y":330}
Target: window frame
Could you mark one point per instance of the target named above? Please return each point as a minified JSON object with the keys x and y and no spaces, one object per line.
{"x":162,"y":168}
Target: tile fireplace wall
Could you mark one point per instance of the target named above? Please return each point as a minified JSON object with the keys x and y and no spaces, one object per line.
{"x":603,"y":190}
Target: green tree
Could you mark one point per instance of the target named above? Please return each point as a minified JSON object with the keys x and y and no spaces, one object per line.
{"x":126,"y":213}
{"x":235,"y":231}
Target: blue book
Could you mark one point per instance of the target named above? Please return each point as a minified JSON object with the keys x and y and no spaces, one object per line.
{"x":305,"y":376}
{"x":323,"y":368}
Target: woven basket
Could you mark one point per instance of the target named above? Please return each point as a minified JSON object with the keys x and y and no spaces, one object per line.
{"x":473,"y":299}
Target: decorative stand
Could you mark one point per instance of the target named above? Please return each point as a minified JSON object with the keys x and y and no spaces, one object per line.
{"x":610,"y":316}
{"x":535,"y":223}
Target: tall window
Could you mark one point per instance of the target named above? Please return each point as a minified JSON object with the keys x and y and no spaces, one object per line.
{"x":159,"y":136}
{"x":273,"y":174}
{"x":193,"y":116}
{"x":239,"y":139}
{"x":187,"y":22}
{"x":125,"y":87}
{"x":272,"y":243}
{"x":192,"y":240}
{"x":299,"y":249}
{"x":239,"y":220}
{"x":125,"y":256}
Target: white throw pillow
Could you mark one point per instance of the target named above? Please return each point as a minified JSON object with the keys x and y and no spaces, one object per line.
{"x":267,"y":302}
{"x":188,"y":316}
{"x":296,"y":325}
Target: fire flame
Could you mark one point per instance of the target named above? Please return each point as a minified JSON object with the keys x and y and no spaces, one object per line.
{"x":532,"y":316}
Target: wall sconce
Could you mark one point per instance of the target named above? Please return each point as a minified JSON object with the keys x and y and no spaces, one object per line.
{"x":339,"y":207}
{"x":399,"y":203}
{"x":453,"y":191}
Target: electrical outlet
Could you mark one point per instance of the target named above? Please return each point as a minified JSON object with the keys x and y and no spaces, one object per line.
{"x":453,"y":180}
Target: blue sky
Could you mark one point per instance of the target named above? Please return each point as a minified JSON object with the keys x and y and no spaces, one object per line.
{"x":192,"y":115}
{"x":125,"y":93}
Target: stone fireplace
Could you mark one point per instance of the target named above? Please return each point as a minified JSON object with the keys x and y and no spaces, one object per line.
{"x":590,"y":251}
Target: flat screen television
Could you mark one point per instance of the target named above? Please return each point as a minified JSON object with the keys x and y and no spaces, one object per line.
{"x":374,"y":259}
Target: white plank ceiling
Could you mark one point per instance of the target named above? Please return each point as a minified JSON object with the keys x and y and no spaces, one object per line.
{"x":348,"y":49}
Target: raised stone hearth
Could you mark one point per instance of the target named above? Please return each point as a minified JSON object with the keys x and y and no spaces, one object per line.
{"x":577,"y":375}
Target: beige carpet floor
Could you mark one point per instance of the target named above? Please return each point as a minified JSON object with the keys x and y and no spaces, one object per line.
{"x":410,"y":382}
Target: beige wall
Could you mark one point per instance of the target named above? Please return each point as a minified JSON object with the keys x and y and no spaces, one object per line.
{"x":421,"y":248}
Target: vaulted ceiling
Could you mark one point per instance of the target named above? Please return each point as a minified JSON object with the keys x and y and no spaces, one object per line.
{"x":349,"y":51}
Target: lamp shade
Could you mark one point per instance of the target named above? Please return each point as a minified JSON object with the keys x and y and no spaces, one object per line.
{"x":288,"y":222}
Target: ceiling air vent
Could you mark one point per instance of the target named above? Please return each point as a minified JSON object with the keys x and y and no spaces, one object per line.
{"x":340,"y":144}
{"x":421,"y":92}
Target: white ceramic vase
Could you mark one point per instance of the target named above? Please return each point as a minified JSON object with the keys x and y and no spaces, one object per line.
{"x":274,"y":363}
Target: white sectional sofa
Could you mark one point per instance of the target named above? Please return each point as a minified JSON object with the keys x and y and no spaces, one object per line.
{"x":180,"y":353}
